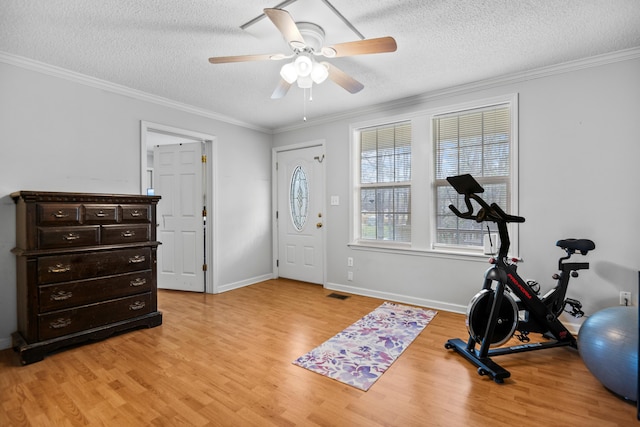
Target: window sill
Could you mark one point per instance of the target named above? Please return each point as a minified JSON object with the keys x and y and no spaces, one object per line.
{"x":406,"y":249}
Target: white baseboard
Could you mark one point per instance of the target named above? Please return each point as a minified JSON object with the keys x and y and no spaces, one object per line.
{"x":439,"y":305}
{"x":243,"y":283}
{"x":573,"y":327}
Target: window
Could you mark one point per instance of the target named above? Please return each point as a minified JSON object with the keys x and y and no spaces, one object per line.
{"x":299,"y":198}
{"x":385,"y":183}
{"x":401,"y":196}
{"x":477,"y":142}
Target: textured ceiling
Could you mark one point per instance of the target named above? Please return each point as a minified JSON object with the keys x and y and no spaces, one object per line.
{"x":161,"y":46}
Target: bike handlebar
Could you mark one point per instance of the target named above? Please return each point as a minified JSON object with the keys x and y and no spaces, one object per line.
{"x":466,"y":185}
{"x":491,"y":213}
{"x":506,"y":216}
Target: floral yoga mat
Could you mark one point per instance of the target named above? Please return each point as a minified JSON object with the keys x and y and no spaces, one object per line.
{"x":360,"y":354}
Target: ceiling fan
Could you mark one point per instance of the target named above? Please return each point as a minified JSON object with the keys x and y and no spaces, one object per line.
{"x":306,"y":40}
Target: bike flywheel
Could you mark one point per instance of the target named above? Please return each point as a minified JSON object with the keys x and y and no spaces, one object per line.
{"x":478,"y":313}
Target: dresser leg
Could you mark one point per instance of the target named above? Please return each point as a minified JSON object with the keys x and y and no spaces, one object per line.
{"x":35,"y":352}
{"x":28,"y":354}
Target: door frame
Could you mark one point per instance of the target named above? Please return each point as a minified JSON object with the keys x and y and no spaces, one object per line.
{"x":211,"y":151}
{"x":274,"y":204}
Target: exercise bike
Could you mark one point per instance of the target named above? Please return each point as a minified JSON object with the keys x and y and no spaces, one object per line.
{"x":508,"y":306}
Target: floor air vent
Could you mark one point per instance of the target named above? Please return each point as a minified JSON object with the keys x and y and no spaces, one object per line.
{"x":338,"y":296}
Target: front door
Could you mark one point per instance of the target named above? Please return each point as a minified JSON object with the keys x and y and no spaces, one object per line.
{"x":178,"y":180}
{"x":300,"y":216}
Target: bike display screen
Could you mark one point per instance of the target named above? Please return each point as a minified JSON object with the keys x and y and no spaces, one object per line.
{"x":465,"y":184}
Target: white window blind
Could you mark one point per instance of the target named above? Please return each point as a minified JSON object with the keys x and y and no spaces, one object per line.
{"x":477,"y":142}
{"x":385,"y":183}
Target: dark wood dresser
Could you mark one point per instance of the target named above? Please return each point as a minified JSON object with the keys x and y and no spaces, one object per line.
{"x":86,"y":268}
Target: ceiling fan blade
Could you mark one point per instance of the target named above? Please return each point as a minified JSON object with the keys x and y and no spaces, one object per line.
{"x":343,"y":79}
{"x":245,"y":58}
{"x":287,"y":26}
{"x":362,"y":47}
{"x":281,"y":90}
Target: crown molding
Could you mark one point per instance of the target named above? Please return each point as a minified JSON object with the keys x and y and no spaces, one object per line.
{"x":565,"y":67}
{"x":594,"y":61}
{"x":83,"y":79}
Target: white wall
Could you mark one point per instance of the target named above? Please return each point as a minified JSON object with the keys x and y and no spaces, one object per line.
{"x":579,"y":132}
{"x":60,"y":135}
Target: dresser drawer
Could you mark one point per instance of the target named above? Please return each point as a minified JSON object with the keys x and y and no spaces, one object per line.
{"x":136,"y":213}
{"x":100,"y":214}
{"x":125,"y":233}
{"x":68,"y":267}
{"x":64,"y":322}
{"x":58,"y":213}
{"x":62,"y":237}
{"x":70,"y":294}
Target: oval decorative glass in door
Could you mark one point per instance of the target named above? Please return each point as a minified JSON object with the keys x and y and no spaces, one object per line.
{"x":299,"y":198}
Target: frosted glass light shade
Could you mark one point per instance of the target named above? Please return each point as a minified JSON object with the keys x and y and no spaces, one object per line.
{"x":288,"y":72}
{"x":303,"y":65}
{"x":319,"y":73}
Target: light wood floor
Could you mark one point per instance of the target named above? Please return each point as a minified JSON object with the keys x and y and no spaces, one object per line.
{"x":226,"y":360}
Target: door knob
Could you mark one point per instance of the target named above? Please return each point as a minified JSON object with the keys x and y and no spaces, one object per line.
{"x":319,"y":225}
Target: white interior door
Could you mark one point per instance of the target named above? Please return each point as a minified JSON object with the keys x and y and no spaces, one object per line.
{"x":178,"y":180}
{"x":301,"y":214}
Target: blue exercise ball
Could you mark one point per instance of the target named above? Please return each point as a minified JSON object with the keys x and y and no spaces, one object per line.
{"x":608,"y":345}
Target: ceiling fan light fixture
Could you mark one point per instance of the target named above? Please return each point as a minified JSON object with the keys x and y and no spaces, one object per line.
{"x":306,"y":39}
{"x":288,"y":72}
{"x":319,"y":73}
{"x":305,"y":82}
{"x":303,"y":65}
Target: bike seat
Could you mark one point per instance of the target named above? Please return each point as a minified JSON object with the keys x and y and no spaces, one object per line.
{"x":581,"y":245}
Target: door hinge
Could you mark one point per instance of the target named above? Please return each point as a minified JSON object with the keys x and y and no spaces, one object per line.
{"x":276,"y":214}
{"x":204,"y":213}
{"x":276,"y":165}
{"x":204,"y":267}
{"x":277,"y":263}
{"x":204,"y":158}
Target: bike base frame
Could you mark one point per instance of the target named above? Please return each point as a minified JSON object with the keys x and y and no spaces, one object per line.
{"x":486,"y":366}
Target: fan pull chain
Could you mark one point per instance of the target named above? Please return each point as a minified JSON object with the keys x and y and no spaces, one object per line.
{"x":304,"y":105}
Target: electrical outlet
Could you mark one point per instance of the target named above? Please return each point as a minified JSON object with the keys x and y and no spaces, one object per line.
{"x":349,"y":275}
{"x":625,"y":298}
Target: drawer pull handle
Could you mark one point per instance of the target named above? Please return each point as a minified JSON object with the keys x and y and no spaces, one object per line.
{"x":60,"y":323}
{"x":59,"y":268}
{"x":137,"y":259}
{"x":128,"y":233}
{"x":136,"y":213}
{"x":137,"y":282}
{"x":101,"y":214}
{"x":61,"y":214}
{"x":60,"y":295}
{"x":71,"y":237}
{"x":138,"y":305}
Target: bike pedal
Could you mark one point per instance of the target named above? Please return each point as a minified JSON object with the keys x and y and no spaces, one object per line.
{"x":573,"y":302}
{"x":535,"y":286}
{"x":576,"y":307}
